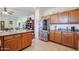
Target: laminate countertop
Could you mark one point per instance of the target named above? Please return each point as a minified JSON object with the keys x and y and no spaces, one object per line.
{"x":4,"y":33}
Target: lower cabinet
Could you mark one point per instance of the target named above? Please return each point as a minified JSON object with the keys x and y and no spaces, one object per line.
{"x":51,"y":36}
{"x":58,"y":36}
{"x":65,"y":38}
{"x":10,"y":45}
{"x":17,"y":42}
{"x":18,"y":38}
{"x":26,"y":39}
{"x":68,"y":38}
{"x":24,"y":42}
{"x":55,"y":36}
{"x":76,"y":41}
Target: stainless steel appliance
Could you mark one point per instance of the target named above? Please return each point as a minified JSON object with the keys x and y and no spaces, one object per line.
{"x":43,"y":34}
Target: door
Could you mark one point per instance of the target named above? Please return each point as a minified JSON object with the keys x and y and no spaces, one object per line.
{"x":63,"y":17}
{"x":54,"y":18}
{"x":58,"y":36}
{"x":29,"y":38}
{"x":74,"y":16}
{"x":51,"y":35}
{"x":10,"y":45}
{"x":68,"y":39}
{"x":24,"y":42}
{"x":18,"y":38}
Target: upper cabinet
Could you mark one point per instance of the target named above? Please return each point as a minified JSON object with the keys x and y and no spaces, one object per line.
{"x":63,"y":17}
{"x":60,"y":17}
{"x":74,"y":16}
{"x":54,"y":18}
{"x":71,"y":16}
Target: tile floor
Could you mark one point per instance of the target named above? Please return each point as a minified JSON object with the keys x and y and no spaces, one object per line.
{"x":38,"y":45}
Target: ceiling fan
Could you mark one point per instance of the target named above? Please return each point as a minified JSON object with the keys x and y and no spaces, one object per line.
{"x":7,"y":11}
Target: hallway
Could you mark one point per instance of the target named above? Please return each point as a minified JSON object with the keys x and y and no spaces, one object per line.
{"x":39,"y":45}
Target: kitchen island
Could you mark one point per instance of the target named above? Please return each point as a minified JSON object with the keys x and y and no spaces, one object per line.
{"x":15,"y":40}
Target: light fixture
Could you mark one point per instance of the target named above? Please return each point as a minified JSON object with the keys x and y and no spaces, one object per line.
{"x":7,"y":12}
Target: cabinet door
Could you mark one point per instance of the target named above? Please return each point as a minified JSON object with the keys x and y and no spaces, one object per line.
{"x":29,"y":38}
{"x":24,"y":42}
{"x":29,"y":41}
{"x":10,"y":45}
{"x":68,"y":39}
{"x":18,"y":37}
{"x":58,"y":36}
{"x":76,"y":38}
{"x":54,"y":18}
{"x":63,"y":17}
{"x":26,"y":39}
{"x":51,"y":35}
{"x":74,"y":16}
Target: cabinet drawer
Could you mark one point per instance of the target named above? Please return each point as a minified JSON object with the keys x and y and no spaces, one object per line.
{"x":18,"y":36}
{"x":8,"y":37}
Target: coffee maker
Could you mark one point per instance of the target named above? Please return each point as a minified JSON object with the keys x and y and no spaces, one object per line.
{"x":73,"y":28}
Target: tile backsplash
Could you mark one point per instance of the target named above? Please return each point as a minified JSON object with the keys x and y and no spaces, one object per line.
{"x":63,"y":26}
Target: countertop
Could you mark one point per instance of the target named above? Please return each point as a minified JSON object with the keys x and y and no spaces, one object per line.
{"x":4,"y":33}
{"x":66,"y":31}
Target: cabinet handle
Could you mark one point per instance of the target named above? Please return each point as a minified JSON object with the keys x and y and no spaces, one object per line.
{"x":0,"y":42}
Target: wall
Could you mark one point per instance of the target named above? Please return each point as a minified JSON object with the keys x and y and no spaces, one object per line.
{"x":21,"y":20}
{"x":7,"y":19}
{"x":63,"y":26}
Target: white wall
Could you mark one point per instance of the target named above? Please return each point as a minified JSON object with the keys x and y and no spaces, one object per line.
{"x":7,"y":19}
{"x":21,"y":20}
{"x":63,"y":26}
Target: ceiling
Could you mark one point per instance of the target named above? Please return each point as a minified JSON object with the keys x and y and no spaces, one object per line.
{"x":21,"y":11}
{"x":24,"y":11}
{"x":28,"y":11}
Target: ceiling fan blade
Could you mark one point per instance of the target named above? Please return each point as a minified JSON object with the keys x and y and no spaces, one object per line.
{"x":5,"y":9}
{"x":8,"y":11}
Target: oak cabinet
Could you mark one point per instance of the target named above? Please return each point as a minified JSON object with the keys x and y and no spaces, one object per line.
{"x":52,"y":36}
{"x":1,"y":43}
{"x":63,"y":17}
{"x":54,"y":18}
{"x":24,"y":42}
{"x":76,"y":41}
{"x":17,"y":41}
{"x":10,"y":44}
{"x":65,"y":38}
{"x":58,"y":36}
{"x":74,"y":16}
{"x":55,"y":36}
{"x":18,"y":38}
{"x":71,"y":16}
{"x":27,"y":39}
{"x":68,"y":39}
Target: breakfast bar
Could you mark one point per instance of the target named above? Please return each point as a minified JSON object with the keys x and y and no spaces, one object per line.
{"x":15,"y":40}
